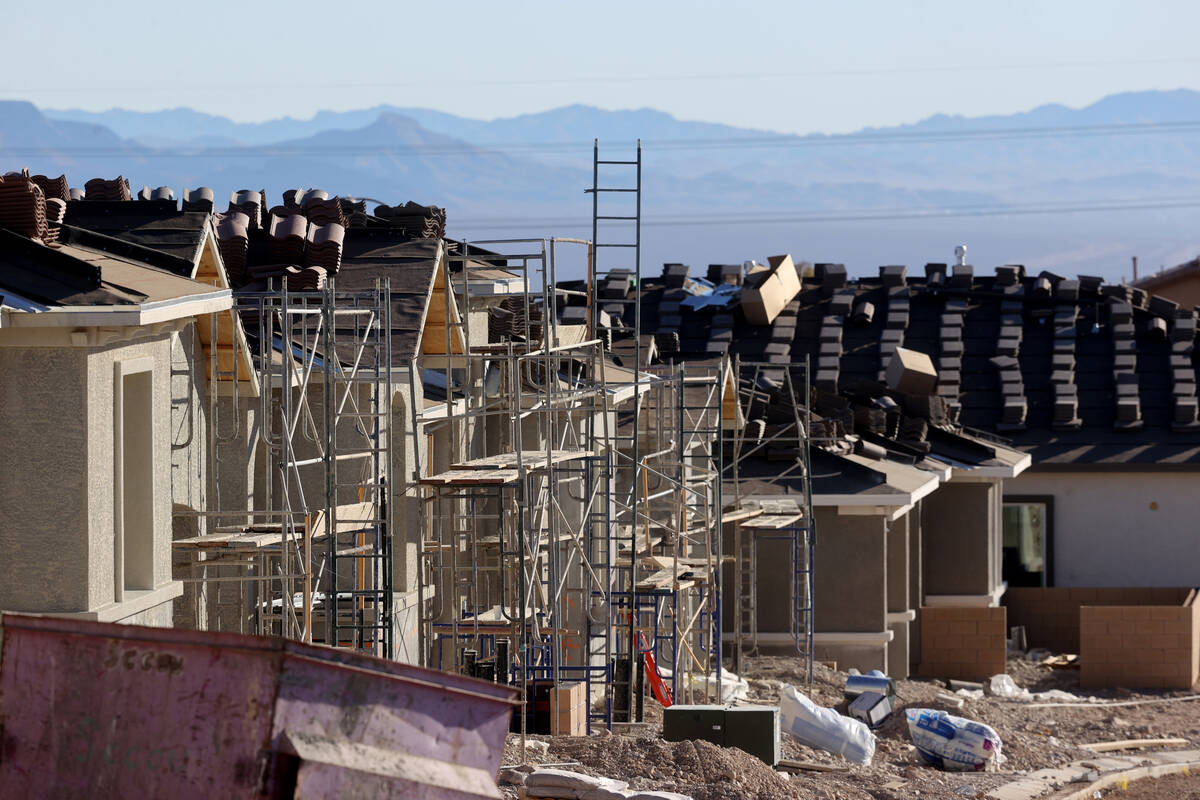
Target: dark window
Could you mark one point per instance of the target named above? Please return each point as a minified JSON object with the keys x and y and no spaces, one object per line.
{"x":1028,"y":540}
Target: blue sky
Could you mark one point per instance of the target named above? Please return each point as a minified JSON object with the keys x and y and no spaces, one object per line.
{"x":770,"y":64}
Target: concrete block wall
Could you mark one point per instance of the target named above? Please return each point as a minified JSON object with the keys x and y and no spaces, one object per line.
{"x":964,"y":642}
{"x":1051,"y":615}
{"x":1143,"y":647}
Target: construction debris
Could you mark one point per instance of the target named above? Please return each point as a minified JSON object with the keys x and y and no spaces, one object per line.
{"x":824,"y":728}
{"x":1133,"y":744}
{"x":873,"y":681}
{"x":953,"y":743}
{"x":872,"y":708}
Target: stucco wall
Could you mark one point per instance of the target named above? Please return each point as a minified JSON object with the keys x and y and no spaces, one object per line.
{"x":57,"y":540}
{"x":1120,"y":529}
{"x":43,"y":480}
{"x":960,"y":539}
{"x":100,"y":392}
{"x":851,"y":573}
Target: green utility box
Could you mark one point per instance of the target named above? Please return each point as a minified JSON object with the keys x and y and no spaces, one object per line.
{"x":681,"y":723}
{"x":754,"y":729}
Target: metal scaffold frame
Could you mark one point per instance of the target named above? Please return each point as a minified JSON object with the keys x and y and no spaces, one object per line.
{"x":311,"y":559}
{"x":530,"y":552}
{"x":775,"y":507}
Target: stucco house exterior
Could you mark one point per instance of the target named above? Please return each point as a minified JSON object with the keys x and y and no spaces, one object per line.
{"x":95,"y":340}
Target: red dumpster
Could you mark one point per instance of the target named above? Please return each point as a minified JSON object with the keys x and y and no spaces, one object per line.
{"x":92,"y":709}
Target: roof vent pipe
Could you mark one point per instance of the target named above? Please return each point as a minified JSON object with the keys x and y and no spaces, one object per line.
{"x":960,"y":255}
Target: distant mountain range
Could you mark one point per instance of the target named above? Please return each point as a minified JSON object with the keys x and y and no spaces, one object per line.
{"x":711,"y":192}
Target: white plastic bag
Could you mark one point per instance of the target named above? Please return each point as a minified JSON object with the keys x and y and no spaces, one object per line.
{"x":824,"y":728}
{"x":953,"y":743}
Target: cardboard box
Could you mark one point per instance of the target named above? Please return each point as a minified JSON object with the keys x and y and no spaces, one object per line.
{"x":762,"y":303}
{"x":911,"y":372}
{"x":569,"y":709}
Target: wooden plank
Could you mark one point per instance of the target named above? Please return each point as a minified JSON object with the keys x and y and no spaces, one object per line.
{"x":1133,"y":744}
{"x":740,"y":514}
{"x":472,"y":477}
{"x":775,"y":521}
{"x":810,"y":766}
{"x":531,"y":458}
{"x":350,"y":517}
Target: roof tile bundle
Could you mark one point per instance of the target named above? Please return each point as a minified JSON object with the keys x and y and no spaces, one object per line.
{"x":161,"y":193}
{"x":115,"y":190}
{"x":350,"y":206}
{"x":23,"y":207}
{"x":420,"y":222}
{"x":233,"y":239}
{"x":56,"y":210}
{"x":324,"y":212}
{"x":53,"y":187}
{"x":308,"y":279}
{"x":325,"y":247}
{"x":292,"y":197}
{"x":250,"y":203}
{"x":288,"y":236}
{"x":198,"y":199}
{"x":302,"y":279}
{"x":509,"y":319}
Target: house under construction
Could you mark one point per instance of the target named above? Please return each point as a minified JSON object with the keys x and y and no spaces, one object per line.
{"x":387,"y":441}
{"x":420,"y":456}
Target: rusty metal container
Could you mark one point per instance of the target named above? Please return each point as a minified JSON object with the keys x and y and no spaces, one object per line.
{"x":97,"y":710}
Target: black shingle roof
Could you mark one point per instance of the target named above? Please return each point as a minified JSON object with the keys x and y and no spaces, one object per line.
{"x":1070,"y":371}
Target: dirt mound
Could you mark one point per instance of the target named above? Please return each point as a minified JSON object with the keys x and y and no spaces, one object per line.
{"x":703,"y":770}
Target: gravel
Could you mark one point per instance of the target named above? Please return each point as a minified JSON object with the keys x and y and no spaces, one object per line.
{"x":1033,"y":739}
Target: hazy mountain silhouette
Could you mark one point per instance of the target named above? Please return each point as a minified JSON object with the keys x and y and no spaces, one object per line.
{"x":1125,"y":147}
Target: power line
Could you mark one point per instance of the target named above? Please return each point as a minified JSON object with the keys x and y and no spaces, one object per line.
{"x":749,"y":141}
{"x":1047,"y":208}
{"x":613,"y":79}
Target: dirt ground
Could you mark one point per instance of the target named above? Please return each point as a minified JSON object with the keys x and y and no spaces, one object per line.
{"x":1172,"y":787}
{"x":1033,"y":738}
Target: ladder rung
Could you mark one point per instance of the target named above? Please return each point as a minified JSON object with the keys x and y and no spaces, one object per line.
{"x":619,"y":162}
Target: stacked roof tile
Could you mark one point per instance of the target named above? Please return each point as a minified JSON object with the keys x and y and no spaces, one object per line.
{"x":23,"y":207}
{"x":200,"y":199}
{"x":161,"y":193}
{"x":1072,"y":370}
{"x":233,"y":238}
{"x":325,"y":246}
{"x":288,"y":236}
{"x":53,"y":188}
{"x":420,"y":222}
{"x":115,"y":190}
{"x":323,"y":211}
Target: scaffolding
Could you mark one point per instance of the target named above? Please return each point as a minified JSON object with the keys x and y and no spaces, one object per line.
{"x":579,"y":529}
{"x":310,"y":559}
{"x":566,"y":495}
{"x":769,"y":472}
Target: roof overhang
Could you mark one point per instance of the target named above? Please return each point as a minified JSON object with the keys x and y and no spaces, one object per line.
{"x":904,"y":487}
{"x":1011,"y":468}
{"x":149,"y":313}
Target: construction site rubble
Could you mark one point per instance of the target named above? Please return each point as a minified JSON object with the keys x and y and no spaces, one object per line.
{"x":561,"y":783}
{"x":953,"y":743}
{"x":824,"y":728}
{"x":1043,"y":748}
{"x":1005,"y":687}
